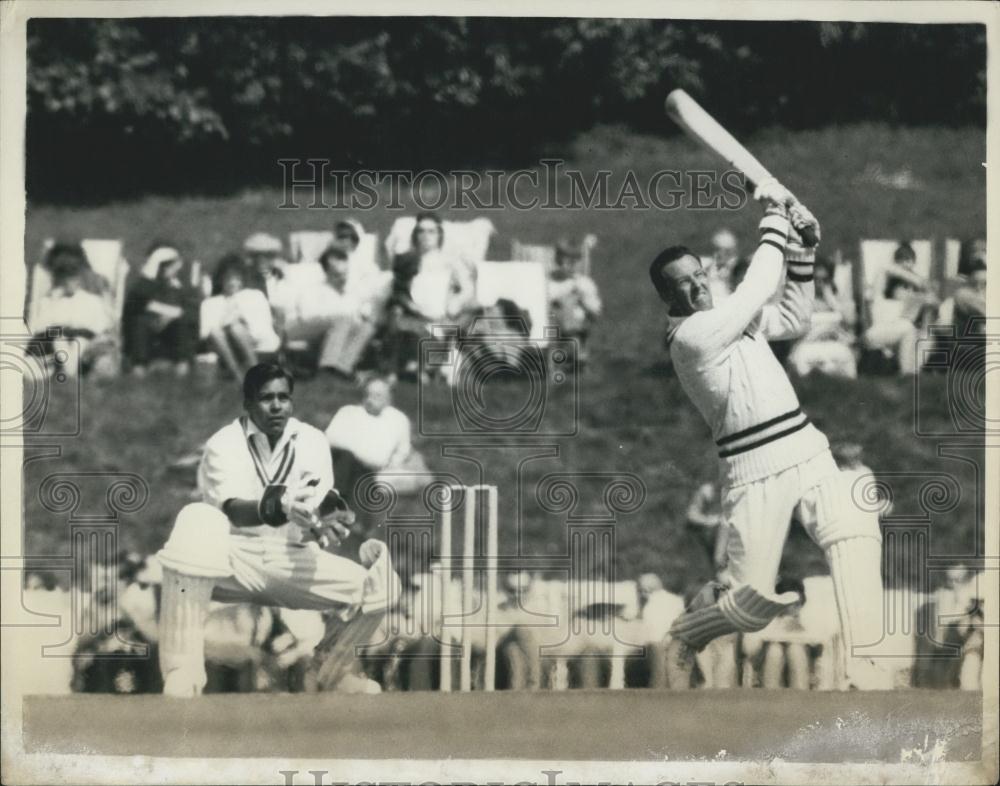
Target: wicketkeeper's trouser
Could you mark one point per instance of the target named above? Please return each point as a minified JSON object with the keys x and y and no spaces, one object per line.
{"x":202,"y":561}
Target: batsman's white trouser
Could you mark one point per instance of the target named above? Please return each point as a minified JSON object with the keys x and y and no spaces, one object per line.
{"x":203,"y":560}
{"x":759,"y":515}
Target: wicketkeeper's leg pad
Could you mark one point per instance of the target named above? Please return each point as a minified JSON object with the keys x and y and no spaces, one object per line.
{"x":184,"y":603}
{"x":741,"y":609}
{"x":199,"y":543}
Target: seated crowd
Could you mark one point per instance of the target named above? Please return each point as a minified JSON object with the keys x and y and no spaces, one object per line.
{"x":900,"y":306}
{"x":252,"y":648}
{"x":337,"y":312}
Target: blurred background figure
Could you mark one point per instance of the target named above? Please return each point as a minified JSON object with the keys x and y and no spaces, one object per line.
{"x":237,"y":319}
{"x":721,"y":263}
{"x":263,"y":262}
{"x":368,"y":437}
{"x":574,"y":299}
{"x":717,"y":662}
{"x":903,"y":305}
{"x":967,"y":305}
{"x":116,"y":653}
{"x":336,"y":323}
{"x":706,"y":526}
{"x":657,"y":611}
{"x":826,"y":347}
{"x":85,"y":340}
{"x":160,"y":317}
{"x":428,"y":287}
{"x":950,"y":656}
{"x":497,"y":334}
{"x":777,"y":656}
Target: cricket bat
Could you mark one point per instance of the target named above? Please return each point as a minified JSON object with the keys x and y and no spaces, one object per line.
{"x":707,"y":131}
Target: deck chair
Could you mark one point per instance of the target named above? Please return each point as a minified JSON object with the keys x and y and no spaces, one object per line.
{"x":876,"y":255}
{"x":524,"y":283}
{"x":308,"y":245}
{"x":465,"y":240}
{"x":546,"y":254}
{"x":106,"y":261}
{"x":110,"y":272}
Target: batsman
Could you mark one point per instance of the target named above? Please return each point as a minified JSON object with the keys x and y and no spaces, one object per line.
{"x":269,"y":513}
{"x":773,"y":462}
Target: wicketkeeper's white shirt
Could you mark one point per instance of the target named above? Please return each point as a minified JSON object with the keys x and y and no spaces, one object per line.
{"x":725,"y":365}
{"x":230,"y":469}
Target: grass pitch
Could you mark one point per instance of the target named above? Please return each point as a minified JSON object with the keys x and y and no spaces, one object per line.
{"x":633,"y":725}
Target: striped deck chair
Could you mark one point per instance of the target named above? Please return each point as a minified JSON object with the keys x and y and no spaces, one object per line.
{"x":546,"y":254}
{"x":109,"y":272}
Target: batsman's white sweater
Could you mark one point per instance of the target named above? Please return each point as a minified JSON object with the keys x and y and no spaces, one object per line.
{"x":730,"y":373}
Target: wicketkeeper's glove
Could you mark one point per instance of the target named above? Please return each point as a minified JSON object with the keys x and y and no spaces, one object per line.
{"x":271,"y":509}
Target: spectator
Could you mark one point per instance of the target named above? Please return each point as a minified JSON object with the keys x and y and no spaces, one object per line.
{"x":237,"y":320}
{"x":826,"y":347}
{"x":778,"y":652}
{"x":268,"y":271}
{"x":575,"y":301}
{"x":498,"y":335}
{"x":114,"y":656}
{"x":704,"y":523}
{"x":160,"y":318}
{"x":900,"y":309}
{"x":717,"y":661}
{"x":262,"y":259}
{"x":658,"y":609}
{"x":952,"y":652}
{"x":720,"y":265}
{"x":368,"y":437}
{"x":968,"y":301}
{"x":972,"y":256}
{"x":90,"y":279}
{"x":361,"y":270}
{"x":366,"y":281}
{"x":80,"y":320}
{"x":428,"y":287}
{"x":338,"y":323}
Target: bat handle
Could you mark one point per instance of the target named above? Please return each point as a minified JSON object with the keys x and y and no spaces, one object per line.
{"x":809,"y":237}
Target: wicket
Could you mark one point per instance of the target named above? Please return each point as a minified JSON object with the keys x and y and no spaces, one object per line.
{"x":470,"y":496}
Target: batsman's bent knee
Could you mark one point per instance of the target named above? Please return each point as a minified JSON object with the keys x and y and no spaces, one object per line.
{"x":199,"y":542}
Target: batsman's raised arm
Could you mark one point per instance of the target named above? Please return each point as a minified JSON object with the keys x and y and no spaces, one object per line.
{"x":711,"y":330}
{"x":792,"y":314}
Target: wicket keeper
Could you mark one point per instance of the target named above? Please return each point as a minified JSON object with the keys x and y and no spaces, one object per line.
{"x":269,"y":507}
{"x":774,"y":463}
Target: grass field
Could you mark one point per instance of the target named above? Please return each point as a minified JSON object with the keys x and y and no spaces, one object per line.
{"x":649,"y":726}
{"x":863,"y":181}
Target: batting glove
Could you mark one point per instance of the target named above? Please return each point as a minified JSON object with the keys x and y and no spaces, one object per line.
{"x":800,"y":257}
{"x":769,"y":190}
